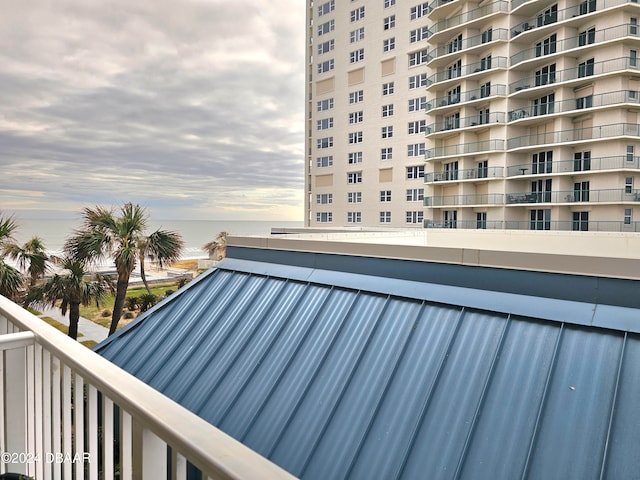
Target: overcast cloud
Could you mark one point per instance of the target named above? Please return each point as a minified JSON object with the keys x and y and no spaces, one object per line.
{"x":191,"y":108}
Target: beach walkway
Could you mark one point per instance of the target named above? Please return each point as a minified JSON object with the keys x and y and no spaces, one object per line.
{"x":88,"y":329}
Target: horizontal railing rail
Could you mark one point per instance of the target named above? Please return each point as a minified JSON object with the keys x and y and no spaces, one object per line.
{"x":579,"y":71}
{"x":575,"y":135}
{"x":571,"y":225}
{"x":465,"y":224}
{"x":470,"y":42}
{"x":468,"y":69}
{"x":464,"y":174}
{"x":572,"y":196}
{"x":464,"y":200}
{"x":465,"y":148}
{"x":576,"y":165}
{"x":577,"y":10}
{"x":474,"y":14}
{"x":580,"y":103}
{"x":73,"y":413}
{"x":471,"y":121}
{"x":467,"y":96}
{"x":583,"y":40}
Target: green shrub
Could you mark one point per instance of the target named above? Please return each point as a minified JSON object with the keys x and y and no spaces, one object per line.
{"x":128,"y":315}
{"x":131,"y":303}
{"x":105,"y":313}
{"x":147,"y":300}
{"x":169,"y":292}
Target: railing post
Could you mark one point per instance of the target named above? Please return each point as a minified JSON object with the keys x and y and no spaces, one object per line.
{"x":15,"y":390}
{"x":154,"y":456}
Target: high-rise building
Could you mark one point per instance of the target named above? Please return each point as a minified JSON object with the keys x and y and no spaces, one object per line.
{"x":466,"y":114}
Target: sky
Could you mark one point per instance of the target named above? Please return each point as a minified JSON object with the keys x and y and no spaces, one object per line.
{"x":191,"y":108}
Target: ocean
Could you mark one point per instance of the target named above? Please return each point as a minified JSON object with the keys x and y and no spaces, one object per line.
{"x":195,"y":233}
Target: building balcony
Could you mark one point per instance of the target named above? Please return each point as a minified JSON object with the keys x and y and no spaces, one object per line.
{"x":436,"y":12}
{"x":480,"y":173}
{"x":475,"y":95}
{"x":69,"y":413}
{"x":583,"y":41}
{"x":470,"y":148}
{"x":468,"y":17}
{"x":479,"y":120}
{"x":612,"y":195}
{"x":481,"y":66}
{"x":465,"y":224}
{"x":572,"y":104}
{"x":471,"y":200}
{"x":573,"y":167}
{"x":466,"y":44}
{"x":578,"y":10}
{"x":574,"y":135}
{"x":569,"y":225}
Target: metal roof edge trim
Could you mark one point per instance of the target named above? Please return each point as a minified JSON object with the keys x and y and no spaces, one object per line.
{"x":568,"y":311}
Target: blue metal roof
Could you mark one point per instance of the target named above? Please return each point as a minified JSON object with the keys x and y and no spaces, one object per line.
{"x":336,"y":375}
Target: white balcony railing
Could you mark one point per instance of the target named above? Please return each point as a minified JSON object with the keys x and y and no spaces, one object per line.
{"x":66,"y":412}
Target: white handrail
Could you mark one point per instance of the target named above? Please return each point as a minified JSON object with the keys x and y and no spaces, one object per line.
{"x":217,"y":454}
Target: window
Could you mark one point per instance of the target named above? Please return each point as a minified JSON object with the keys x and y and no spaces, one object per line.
{"x":325,"y":142}
{"x":355,"y":137}
{"x":325,"y":123}
{"x":417,"y":81}
{"x":546,"y":75}
{"x":354,"y":197}
{"x":483,"y":169}
{"x":326,"y":27}
{"x":581,"y":161}
{"x":633,"y":58}
{"x":627,"y":216}
{"x":544,"y":105}
{"x":356,"y":97}
{"x":385,"y":195}
{"x":326,"y":66}
{"x":386,"y":153}
{"x":356,"y":55}
{"x":584,"y":102}
{"x":388,"y":44}
{"x":415,"y":194}
{"x":357,"y":35}
{"x":541,"y":162}
{"x":451,"y":171}
{"x":416,"y":150}
{"x":357,"y":14}
{"x":327,"y":7}
{"x":585,"y":69}
{"x":419,"y":34}
{"x":450,"y":219}
{"x":483,"y":116}
{"x":324,"y":217}
{"x":387,"y":110}
{"x":587,"y":37}
{"x":452,"y":121}
{"x":324,"y":198}
{"x":540,"y":191}
{"x":633,"y":26}
{"x":388,"y":88}
{"x":581,"y":192}
{"x":326,"y":47}
{"x":549,"y":16}
{"x":416,"y":58}
{"x":417,"y":171}
{"x":628,"y":185}
{"x":354,"y":177}
{"x":454,"y":70}
{"x":354,"y":217}
{"x":385,"y":217}
{"x":325,"y":104}
{"x":485,"y":90}
{"x":326,"y":161}
{"x":485,"y":63}
{"x":481,"y":220}
{"x":387,"y":132}
{"x":416,"y":104}
{"x":419,"y":126}
{"x":355,"y":157}
{"x":415,"y":217}
{"x":419,"y":10}
{"x":547,"y":46}
{"x":389,"y":3}
{"x":453,"y":96}
{"x":587,"y":6}
{"x":455,"y":44}
{"x":630,"y":151}
{"x":389,"y":22}
{"x":540,"y":219}
{"x":355,"y":117}
{"x":487,"y":35}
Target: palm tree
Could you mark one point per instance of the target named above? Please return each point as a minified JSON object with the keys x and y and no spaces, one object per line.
{"x":72,"y":289}
{"x":162,"y":246}
{"x":217,"y":249}
{"x":122,"y":237}
{"x":31,"y":257}
{"x":10,"y":278}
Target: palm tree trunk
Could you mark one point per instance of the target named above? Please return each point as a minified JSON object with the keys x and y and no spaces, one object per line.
{"x":74,"y":317}
{"x":143,"y":275}
{"x":121,"y":294}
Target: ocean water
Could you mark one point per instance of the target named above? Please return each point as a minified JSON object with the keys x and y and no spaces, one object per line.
{"x":195,"y":233}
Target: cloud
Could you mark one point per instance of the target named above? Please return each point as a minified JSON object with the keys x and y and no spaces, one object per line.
{"x":189,"y":107}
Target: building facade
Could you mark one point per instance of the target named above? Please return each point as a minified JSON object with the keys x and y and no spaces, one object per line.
{"x":461,"y":114}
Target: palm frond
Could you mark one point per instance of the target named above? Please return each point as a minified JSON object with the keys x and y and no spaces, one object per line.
{"x":164,"y":246}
